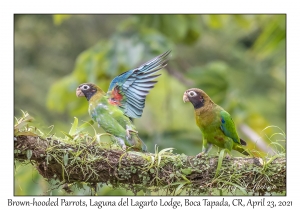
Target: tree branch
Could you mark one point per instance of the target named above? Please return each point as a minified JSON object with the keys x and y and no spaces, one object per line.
{"x":91,"y":163}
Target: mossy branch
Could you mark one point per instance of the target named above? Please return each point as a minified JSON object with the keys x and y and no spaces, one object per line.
{"x":91,"y":163}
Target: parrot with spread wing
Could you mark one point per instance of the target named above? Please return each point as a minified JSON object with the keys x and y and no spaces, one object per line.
{"x":214,"y":122}
{"x":124,"y":99}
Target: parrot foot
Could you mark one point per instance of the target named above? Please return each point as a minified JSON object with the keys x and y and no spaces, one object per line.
{"x":228,"y":156}
{"x":128,"y":131}
{"x":121,"y":143}
{"x":200,"y":154}
{"x":124,"y":147}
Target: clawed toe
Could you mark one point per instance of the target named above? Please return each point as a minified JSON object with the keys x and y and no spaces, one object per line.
{"x":128,"y":131}
{"x":124,"y":147}
{"x":200,"y":155}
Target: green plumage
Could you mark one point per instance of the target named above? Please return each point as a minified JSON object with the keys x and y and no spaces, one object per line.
{"x":215,"y":123}
{"x":125,"y":98}
{"x":112,"y":119}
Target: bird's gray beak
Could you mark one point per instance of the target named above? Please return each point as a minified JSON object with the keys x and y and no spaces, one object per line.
{"x":185,"y":98}
{"x":79,"y":93}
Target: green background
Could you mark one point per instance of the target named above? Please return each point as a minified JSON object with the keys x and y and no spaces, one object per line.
{"x":239,"y":60}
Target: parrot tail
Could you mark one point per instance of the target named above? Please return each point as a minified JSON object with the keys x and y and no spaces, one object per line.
{"x":243,"y":142}
{"x":137,"y":143}
{"x":242,"y":150}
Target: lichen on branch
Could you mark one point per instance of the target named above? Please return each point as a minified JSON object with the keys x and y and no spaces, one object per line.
{"x":177,"y":174}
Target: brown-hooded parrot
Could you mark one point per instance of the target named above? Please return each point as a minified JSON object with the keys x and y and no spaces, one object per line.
{"x":124,"y":99}
{"x":215,"y":123}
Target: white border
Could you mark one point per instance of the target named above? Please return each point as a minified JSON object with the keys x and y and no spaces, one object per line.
{"x":153,"y":6}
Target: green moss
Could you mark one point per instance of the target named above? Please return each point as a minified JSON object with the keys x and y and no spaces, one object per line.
{"x":162,"y":172}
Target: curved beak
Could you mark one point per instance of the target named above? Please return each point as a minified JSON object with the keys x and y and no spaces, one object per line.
{"x":185,"y":98}
{"x":79,"y":93}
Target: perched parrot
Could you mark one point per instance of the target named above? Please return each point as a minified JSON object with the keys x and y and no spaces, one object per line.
{"x":124,"y":99}
{"x":214,"y":122}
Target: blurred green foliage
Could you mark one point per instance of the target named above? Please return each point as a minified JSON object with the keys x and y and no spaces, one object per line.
{"x":239,"y":60}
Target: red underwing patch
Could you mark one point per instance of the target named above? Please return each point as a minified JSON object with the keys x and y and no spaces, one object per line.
{"x":116,"y":97}
{"x":219,"y":138}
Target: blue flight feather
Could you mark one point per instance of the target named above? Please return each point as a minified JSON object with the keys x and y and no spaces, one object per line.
{"x":134,"y":85}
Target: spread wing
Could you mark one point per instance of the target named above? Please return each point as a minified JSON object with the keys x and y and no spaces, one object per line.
{"x":129,"y":90}
{"x":228,"y":127}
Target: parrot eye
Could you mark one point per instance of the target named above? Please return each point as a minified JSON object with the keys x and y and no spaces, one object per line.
{"x":192,"y":93}
{"x":85,"y":87}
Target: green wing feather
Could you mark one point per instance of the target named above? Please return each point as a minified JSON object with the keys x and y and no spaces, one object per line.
{"x":113,"y":121}
{"x":228,"y":126}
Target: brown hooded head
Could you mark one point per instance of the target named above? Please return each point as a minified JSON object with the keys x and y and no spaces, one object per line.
{"x":197,"y":97}
{"x":87,"y":90}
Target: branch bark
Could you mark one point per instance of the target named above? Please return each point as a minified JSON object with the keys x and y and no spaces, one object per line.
{"x":90,"y":163}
